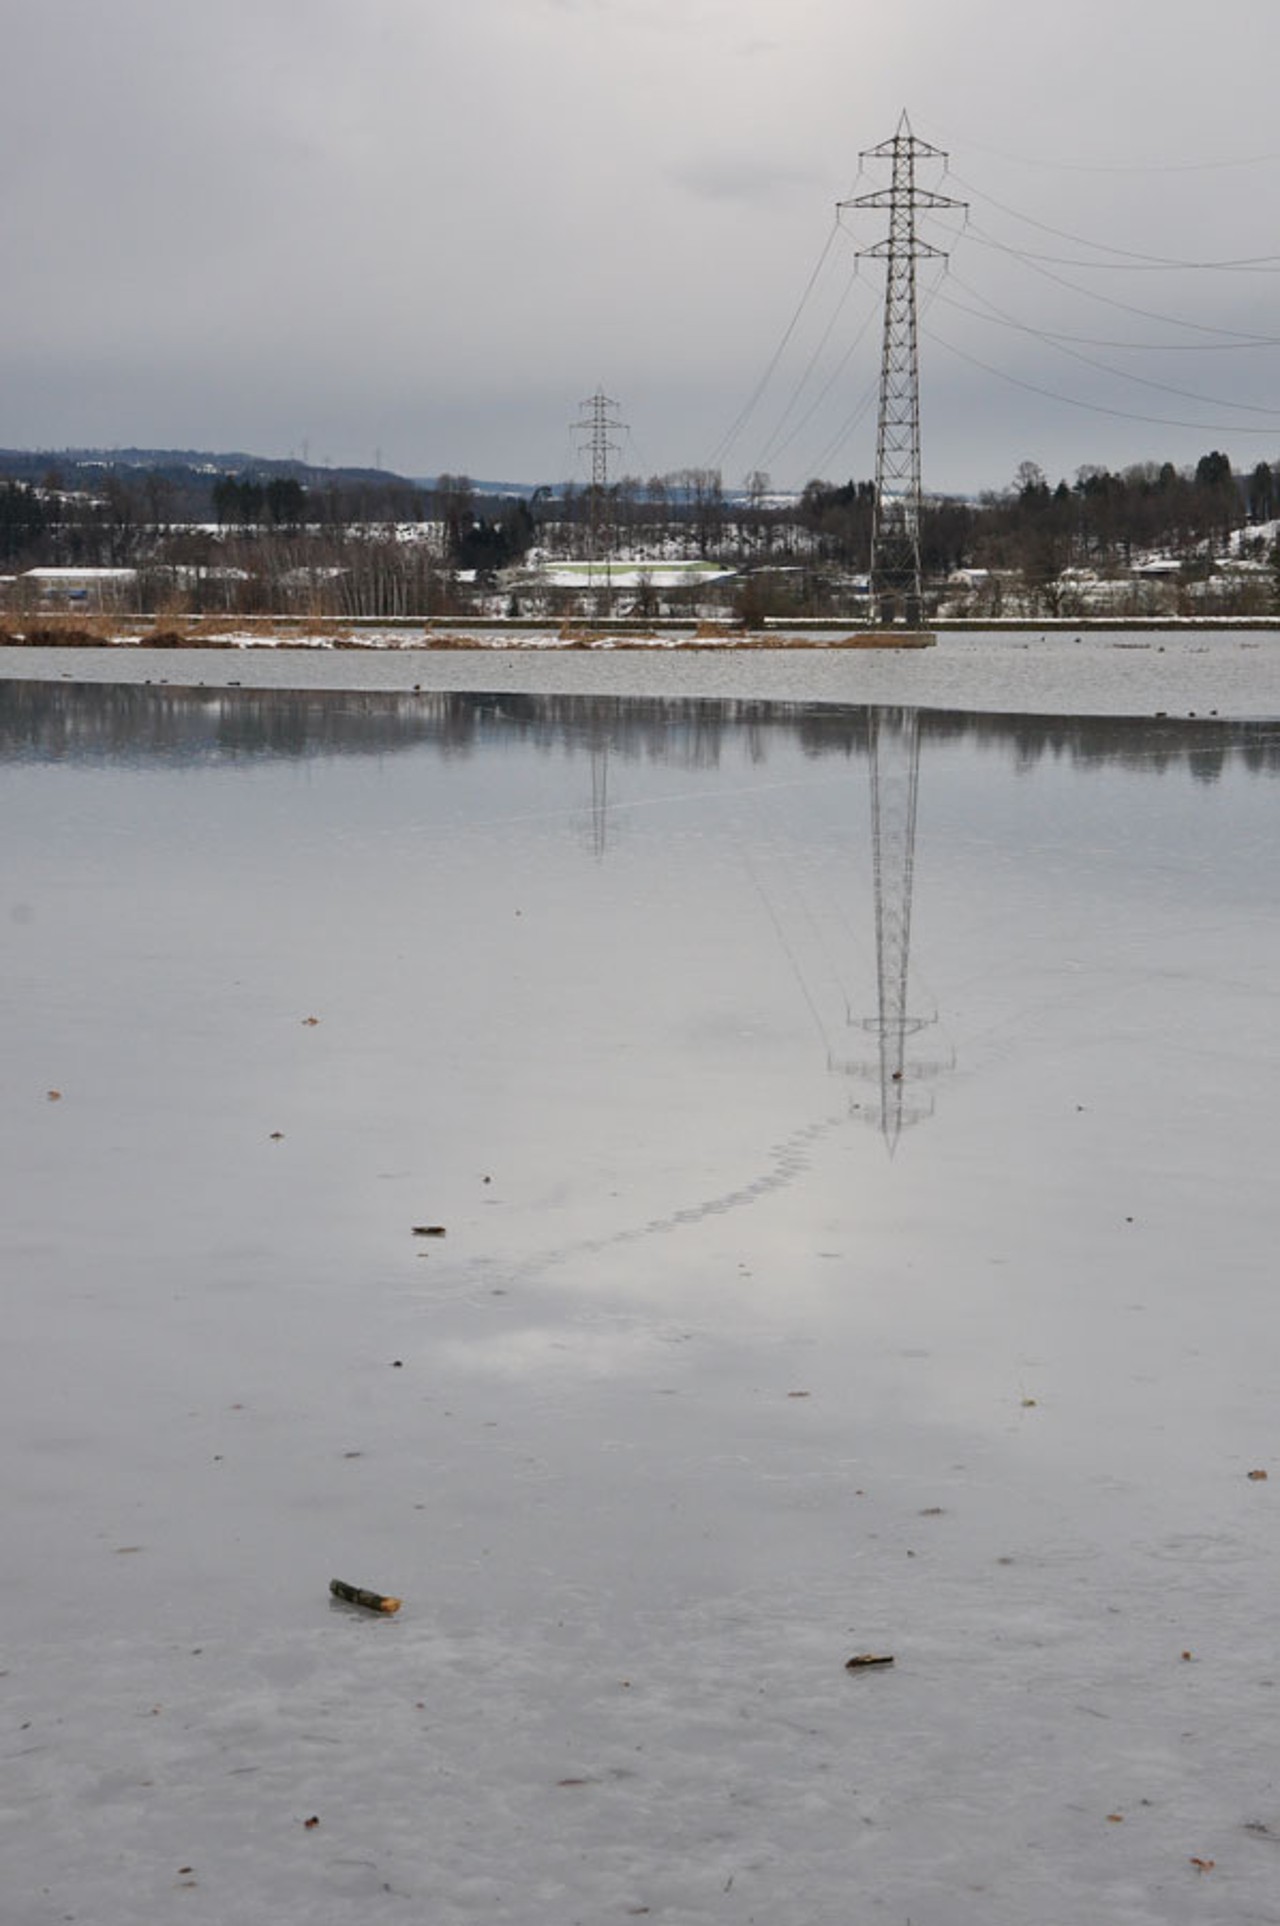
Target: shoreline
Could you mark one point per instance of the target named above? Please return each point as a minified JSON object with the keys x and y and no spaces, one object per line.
{"x":397,"y":634}
{"x":1170,"y":672}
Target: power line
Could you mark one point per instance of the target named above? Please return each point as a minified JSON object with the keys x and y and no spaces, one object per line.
{"x":868,"y":396}
{"x":1034,"y":263}
{"x":1100,"y":341}
{"x":1134,"y":263}
{"x":1090,"y":361}
{"x":771,"y":448}
{"x":1094,"y":407}
{"x":1126,"y":255}
{"x":847,"y":427}
{"x":1112,"y":167}
{"x":773,"y":451}
{"x":727,"y":441}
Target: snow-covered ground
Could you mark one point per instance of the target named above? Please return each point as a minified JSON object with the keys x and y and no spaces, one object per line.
{"x":703,"y":1391}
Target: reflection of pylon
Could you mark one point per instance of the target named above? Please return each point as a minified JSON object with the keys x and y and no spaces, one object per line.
{"x":600,"y":798}
{"x":895,"y":778}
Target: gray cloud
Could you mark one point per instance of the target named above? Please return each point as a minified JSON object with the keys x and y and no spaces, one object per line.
{"x":742,"y":176}
{"x":430,"y":226}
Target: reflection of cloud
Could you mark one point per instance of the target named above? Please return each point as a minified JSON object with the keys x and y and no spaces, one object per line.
{"x":539,"y":1351}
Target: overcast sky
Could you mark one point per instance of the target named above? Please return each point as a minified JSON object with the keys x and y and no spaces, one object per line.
{"x":425,"y":230}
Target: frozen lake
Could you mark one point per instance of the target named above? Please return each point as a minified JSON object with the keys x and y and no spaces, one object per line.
{"x":1180,"y":672}
{"x":852,"y":1128}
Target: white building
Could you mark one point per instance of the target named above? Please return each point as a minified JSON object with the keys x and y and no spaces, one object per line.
{"x":92,"y":588}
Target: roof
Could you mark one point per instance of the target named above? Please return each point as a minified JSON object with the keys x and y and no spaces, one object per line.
{"x":56,"y":575}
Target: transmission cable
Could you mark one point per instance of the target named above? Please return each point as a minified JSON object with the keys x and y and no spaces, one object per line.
{"x":1091,"y":294}
{"x":1090,"y":361}
{"x":728,"y":440}
{"x":847,"y":426}
{"x":813,"y":360}
{"x":1109,"y":167}
{"x":1099,"y":341}
{"x":825,"y":390}
{"x":1094,"y":407}
{"x":1127,"y":256}
{"x":773,"y":447}
{"x":870,"y":394}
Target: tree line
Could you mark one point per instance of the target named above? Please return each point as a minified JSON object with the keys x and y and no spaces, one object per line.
{"x":372,"y":546}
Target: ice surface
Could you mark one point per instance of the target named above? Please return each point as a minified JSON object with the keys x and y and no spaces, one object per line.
{"x":703,"y":1390}
{"x":1228,"y":672}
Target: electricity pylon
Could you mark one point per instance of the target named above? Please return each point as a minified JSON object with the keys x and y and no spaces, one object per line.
{"x":596,"y":425}
{"x":895,"y":526}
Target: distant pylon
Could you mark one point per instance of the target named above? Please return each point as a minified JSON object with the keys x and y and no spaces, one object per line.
{"x":895,"y":527}
{"x":596,"y":425}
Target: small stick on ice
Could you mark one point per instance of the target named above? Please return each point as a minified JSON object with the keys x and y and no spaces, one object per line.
{"x":357,"y":1595}
{"x":862,"y":1660}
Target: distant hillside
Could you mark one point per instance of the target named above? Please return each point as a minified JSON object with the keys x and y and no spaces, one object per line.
{"x":192,"y":472}
{"x":187,"y":476}
{"x":73,"y":464}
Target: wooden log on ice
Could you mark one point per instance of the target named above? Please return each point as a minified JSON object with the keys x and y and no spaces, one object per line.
{"x":357,"y":1595}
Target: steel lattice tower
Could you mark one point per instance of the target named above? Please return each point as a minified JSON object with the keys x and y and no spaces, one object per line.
{"x":597,"y":425}
{"x":895,"y":527}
